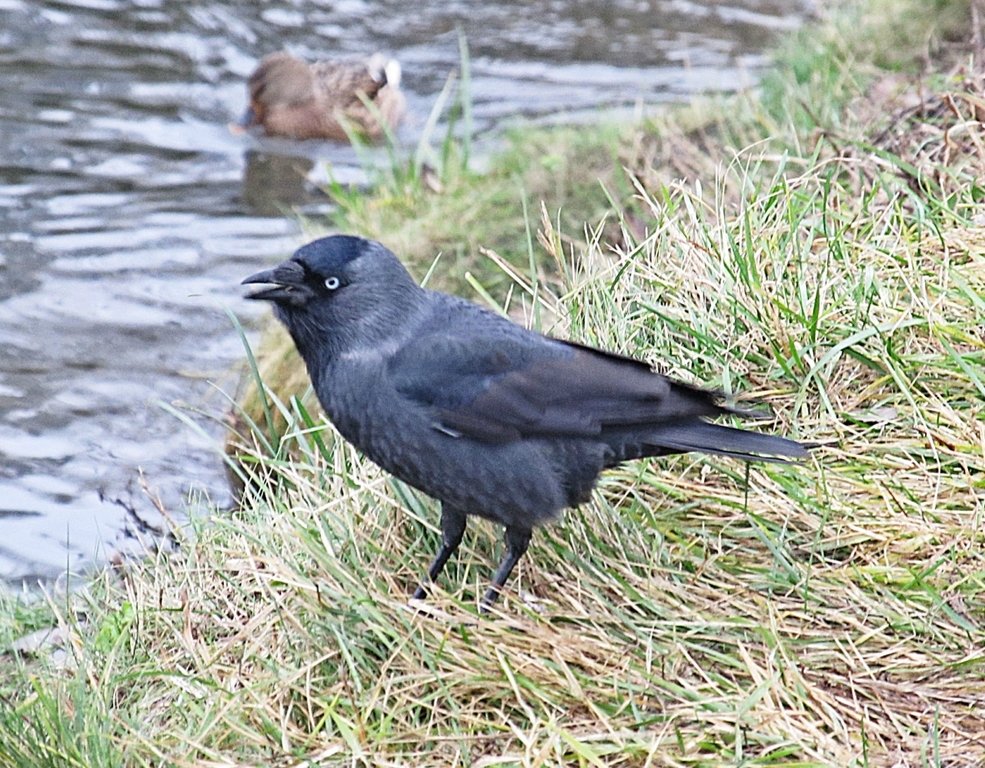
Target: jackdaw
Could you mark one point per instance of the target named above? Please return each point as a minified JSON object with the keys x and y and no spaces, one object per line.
{"x":484,"y":415}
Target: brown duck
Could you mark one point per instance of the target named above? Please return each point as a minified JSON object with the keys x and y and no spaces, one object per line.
{"x":291,"y":98}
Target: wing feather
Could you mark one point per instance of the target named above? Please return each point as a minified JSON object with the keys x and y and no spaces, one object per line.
{"x":498,"y":389}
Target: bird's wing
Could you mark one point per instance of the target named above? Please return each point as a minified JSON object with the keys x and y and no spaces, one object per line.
{"x":339,"y":82}
{"x":498,"y":388}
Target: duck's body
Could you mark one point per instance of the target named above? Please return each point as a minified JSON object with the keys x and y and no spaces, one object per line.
{"x":297,"y":100}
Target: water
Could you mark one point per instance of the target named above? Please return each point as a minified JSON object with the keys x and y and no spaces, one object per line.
{"x":129,"y":212}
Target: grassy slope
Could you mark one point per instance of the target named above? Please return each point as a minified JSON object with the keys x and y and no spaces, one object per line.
{"x":694,"y":614}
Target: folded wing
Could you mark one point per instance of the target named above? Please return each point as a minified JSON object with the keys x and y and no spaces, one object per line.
{"x":500,"y":389}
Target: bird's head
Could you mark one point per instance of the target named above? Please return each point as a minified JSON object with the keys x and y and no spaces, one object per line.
{"x":339,"y":290}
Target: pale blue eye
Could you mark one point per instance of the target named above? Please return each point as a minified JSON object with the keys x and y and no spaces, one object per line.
{"x":331,"y":283}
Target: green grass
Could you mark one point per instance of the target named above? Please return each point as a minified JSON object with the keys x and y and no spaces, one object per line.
{"x":698,"y":612}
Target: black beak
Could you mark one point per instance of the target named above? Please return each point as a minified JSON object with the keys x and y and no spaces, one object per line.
{"x":287,"y":279}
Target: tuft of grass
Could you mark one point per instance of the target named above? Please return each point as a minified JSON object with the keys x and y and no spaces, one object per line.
{"x":698,"y":612}
{"x":470,"y":210}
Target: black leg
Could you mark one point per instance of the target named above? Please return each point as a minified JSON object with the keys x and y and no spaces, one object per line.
{"x":517,"y":541}
{"x":452,"y":530}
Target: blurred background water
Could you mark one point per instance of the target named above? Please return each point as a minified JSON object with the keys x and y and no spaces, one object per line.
{"x":129,"y":212}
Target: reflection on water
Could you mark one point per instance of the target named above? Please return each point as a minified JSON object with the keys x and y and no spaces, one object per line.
{"x":273,"y":184}
{"x":129,"y":212}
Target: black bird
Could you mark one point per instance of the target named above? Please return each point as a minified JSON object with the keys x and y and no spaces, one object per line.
{"x":486,"y":416}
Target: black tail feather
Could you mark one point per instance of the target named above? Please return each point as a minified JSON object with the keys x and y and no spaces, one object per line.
{"x":725,"y":441}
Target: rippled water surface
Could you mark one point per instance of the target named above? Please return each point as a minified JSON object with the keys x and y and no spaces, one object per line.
{"x":129,"y":212}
